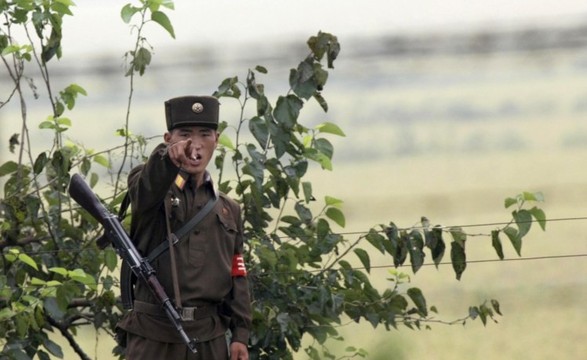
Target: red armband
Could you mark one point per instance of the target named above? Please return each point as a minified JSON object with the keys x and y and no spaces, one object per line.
{"x":238,"y":266}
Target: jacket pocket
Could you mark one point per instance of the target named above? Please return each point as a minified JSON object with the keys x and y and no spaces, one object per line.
{"x":197,"y":252}
{"x":227,"y":224}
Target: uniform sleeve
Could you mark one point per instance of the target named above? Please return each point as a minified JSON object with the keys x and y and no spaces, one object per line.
{"x":148,"y":184}
{"x":240,"y":303}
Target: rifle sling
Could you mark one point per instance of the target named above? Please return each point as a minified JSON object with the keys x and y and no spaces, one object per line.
{"x":170,"y":240}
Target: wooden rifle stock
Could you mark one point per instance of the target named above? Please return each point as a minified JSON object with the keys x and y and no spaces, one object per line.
{"x":85,"y":197}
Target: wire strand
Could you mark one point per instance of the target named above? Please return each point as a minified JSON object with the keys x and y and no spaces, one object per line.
{"x":445,"y":228}
{"x":389,"y":266}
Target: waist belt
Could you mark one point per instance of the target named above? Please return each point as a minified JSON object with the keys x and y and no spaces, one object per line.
{"x":186,"y":313}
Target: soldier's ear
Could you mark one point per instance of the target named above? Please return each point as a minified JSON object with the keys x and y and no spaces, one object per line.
{"x":167,"y":137}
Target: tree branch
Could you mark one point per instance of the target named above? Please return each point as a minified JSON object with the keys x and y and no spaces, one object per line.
{"x":70,"y":339}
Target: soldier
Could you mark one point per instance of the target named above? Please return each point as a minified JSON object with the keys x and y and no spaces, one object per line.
{"x":204,"y":270}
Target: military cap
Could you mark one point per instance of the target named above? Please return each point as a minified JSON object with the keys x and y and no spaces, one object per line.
{"x":192,"y":111}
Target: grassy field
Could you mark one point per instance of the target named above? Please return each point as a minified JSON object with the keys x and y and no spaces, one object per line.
{"x":542,"y":299}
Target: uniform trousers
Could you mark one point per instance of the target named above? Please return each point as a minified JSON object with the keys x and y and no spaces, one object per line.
{"x":140,"y":348}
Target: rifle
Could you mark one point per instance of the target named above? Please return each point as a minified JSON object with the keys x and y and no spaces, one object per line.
{"x":83,"y":195}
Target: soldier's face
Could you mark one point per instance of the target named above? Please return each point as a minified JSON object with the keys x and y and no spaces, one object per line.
{"x":198,"y":143}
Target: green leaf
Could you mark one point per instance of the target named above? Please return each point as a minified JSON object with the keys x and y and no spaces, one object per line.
{"x":70,"y":93}
{"x":162,"y":19}
{"x":10,"y":49}
{"x":13,"y":142}
{"x":325,"y":44}
{"x":225,"y":141}
{"x":516,"y":240}
{"x":64,"y":294}
{"x":537,"y":196}
{"x":418,"y":298}
{"x":510,"y":201}
{"x":11,"y":257}
{"x":437,"y":245}
{"x":364,"y":257}
{"x":40,"y":163}
{"x":59,"y":270}
{"x":539,"y":216}
{"x":110,"y":259}
{"x":128,"y":12}
{"x":28,"y":260}
{"x":102,"y":160}
{"x":301,"y":79}
{"x":291,"y":220}
{"x":287,"y":110}
{"x":37,"y":282}
{"x":227,"y":87}
{"x":303,"y":212}
{"x":496,"y":242}
{"x":82,"y":277}
{"x":319,"y":157}
{"x":523,"y":219}
{"x":330,"y":128}
{"x":415,"y":248}
{"x":66,"y":2}
{"x":336,"y":215}
{"x":93,"y":179}
{"x":59,"y":108}
{"x":496,"y":306}
{"x":61,"y":7}
{"x":47,"y":124}
{"x":63,"y":121}
{"x":473,"y":312}
{"x":8,"y":168}
{"x":458,"y":235}
{"x":141,"y":60}
{"x":6,"y":313}
{"x":254,"y":166}
{"x":261,"y":69}
{"x":307,"y":189}
{"x":260,"y":131}
{"x":324,"y":147}
{"x":332,"y":201}
{"x":378,"y":241}
{"x":255,"y":91}
{"x":321,"y":101}
{"x":51,"y":305}
{"x":76,"y":89}
{"x":458,"y":259}
{"x":85,"y":166}
{"x":53,"y":348}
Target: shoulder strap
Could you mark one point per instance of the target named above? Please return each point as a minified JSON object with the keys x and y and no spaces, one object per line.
{"x":184,"y":230}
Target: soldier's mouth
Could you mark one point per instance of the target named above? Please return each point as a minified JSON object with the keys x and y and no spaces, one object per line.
{"x":195,"y":159}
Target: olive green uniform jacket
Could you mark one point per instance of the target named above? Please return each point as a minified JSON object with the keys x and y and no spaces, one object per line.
{"x":204,"y":257}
